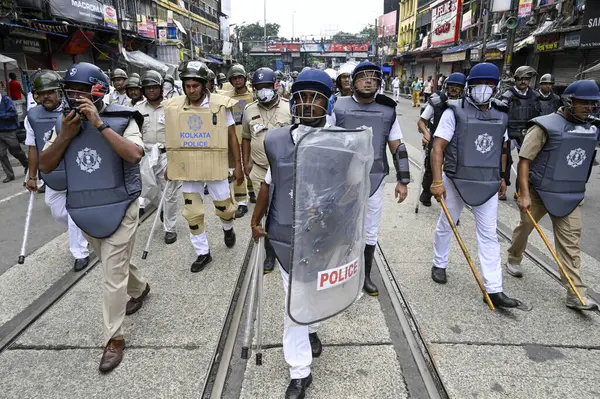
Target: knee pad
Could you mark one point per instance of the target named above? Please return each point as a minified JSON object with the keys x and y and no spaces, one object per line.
{"x":193,"y":212}
{"x":225,"y":209}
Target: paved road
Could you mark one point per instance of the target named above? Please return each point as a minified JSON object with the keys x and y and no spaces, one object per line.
{"x":408,"y":117}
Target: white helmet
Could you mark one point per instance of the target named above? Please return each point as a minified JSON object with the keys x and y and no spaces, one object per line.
{"x":346,"y":68}
{"x":331,"y":72}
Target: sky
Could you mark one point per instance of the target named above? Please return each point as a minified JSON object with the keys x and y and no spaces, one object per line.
{"x":311,"y":17}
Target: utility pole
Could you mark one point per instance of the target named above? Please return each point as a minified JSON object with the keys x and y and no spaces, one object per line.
{"x":265,"y":22}
{"x":190,"y":32}
{"x":119,"y":32}
{"x":376,"y":43}
{"x":510,"y":40}
{"x":486,"y":17}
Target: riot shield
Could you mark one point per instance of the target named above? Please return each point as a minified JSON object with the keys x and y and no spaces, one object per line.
{"x":330,"y":193}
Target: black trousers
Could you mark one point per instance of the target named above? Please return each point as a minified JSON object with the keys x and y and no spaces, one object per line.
{"x":10,"y":143}
{"x":427,"y":173}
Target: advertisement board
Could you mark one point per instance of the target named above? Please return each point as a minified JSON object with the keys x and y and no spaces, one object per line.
{"x":444,"y":22}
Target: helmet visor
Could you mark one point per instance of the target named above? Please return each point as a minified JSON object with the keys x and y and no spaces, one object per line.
{"x":310,"y":106}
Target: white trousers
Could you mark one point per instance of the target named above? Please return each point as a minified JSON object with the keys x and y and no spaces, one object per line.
{"x":219,"y":191}
{"x":486,"y":216}
{"x":396,"y":93}
{"x":296,"y":346}
{"x":57,"y":202}
{"x":373,"y":216}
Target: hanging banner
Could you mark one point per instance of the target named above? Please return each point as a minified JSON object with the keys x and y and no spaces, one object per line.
{"x":444,"y":22}
{"x":590,"y":33}
{"x":525,"y":7}
{"x":466,"y":21}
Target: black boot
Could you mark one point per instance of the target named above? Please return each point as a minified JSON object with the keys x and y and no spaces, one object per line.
{"x":315,"y":344}
{"x":438,"y":275}
{"x":269,"y":264}
{"x":369,"y":287}
{"x":252,"y":197}
{"x":201,"y":262}
{"x":501,"y":300}
{"x":229,"y":238}
{"x":425,"y":198}
{"x":297,"y":387}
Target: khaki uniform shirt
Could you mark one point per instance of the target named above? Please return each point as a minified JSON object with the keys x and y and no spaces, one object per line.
{"x":153,"y":129}
{"x":257,"y":121}
{"x":534,"y":140}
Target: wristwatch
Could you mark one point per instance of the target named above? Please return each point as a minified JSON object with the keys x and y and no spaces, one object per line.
{"x":103,"y":126}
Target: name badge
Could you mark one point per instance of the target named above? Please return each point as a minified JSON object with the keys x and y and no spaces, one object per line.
{"x":161,"y":119}
{"x":259,"y":127}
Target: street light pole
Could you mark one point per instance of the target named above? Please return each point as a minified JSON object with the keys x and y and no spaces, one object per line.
{"x":265,"y":22}
{"x":293,"y":17}
{"x":486,"y":18}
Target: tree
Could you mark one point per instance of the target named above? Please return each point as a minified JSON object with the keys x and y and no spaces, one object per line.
{"x":369,"y":33}
{"x":256,"y":32}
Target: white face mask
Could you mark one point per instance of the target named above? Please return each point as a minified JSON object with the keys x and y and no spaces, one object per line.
{"x":265,"y":95}
{"x":481,"y":94}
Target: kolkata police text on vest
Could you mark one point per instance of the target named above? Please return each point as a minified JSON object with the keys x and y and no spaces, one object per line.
{"x":194,"y":138}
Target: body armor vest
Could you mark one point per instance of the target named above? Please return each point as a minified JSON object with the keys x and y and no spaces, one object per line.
{"x":100,"y":184}
{"x":548,"y":105}
{"x":439,"y":104}
{"x":42,"y":122}
{"x":473,"y":158}
{"x":561,"y":169}
{"x":350,"y":114}
{"x":279,"y":147}
{"x":522,"y":108}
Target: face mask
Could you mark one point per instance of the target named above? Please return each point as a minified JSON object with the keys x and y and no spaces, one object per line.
{"x":265,"y":95}
{"x":481,"y":94}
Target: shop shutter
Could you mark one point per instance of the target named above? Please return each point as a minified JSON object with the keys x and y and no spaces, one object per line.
{"x":593,"y":59}
{"x":566,"y":66}
{"x":429,"y":70}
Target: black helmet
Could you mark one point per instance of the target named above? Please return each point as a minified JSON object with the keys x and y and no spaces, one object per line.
{"x":89,"y":74}
{"x":193,"y":70}
{"x":46,"y":80}
{"x":119,"y":73}
{"x":169,"y":78}
{"x":211,"y":75}
{"x":153,"y":78}
{"x":133,"y":83}
{"x":221,"y":77}
{"x":236,"y":70}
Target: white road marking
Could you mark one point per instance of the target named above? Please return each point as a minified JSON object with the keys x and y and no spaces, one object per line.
{"x":13,"y":196}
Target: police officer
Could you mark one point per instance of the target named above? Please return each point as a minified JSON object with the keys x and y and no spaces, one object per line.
{"x":522,"y":106}
{"x":472,"y":174}
{"x":344,"y":80}
{"x":153,"y":135}
{"x":294,"y":76}
{"x":101,"y":147}
{"x":428,"y":122}
{"x":170,"y":90}
{"x":221,"y":79}
{"x":194,"y":75}
{"x":554,"y":165}
{"x":269,"y":111}
{"x":244,"y":96}
{"x":548,"y":102}
{"x":312,"y":94}
{"x":133,"y":87}
{"x":39,"y":124}
{"x":119,"y":94}
{"x":367,"y":108}
{"x":210,"y":83}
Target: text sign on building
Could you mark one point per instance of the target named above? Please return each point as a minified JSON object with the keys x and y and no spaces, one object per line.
{"x":590,"y":32}
{"x":444,"y":22}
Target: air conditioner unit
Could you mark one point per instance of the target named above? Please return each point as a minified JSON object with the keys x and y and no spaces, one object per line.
{"x":495,"y":29}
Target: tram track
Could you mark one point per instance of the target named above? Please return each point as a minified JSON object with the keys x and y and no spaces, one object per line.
{"x":11,"y":330}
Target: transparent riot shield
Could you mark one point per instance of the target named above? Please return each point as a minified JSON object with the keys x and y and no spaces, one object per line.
{"x":331,"y":190}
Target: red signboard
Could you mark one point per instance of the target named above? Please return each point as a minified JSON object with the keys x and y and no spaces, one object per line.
{"x":79,"y":43}
{"x":386,"y":24}
{"x":284,"y":48}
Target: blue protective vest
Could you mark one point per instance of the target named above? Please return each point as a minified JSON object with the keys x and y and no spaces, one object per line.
{"x":42,"y":122}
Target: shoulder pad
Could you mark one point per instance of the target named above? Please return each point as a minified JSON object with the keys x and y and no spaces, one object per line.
{"x":218,"y":100}
{"x":251,"y":104}
{"x":126,"y":112}
{"x":437,"y":99}
{"x":500,"y":105}
{"x":174,"y":101}
{"x":508,"y":95}
{"x":385,"y":100}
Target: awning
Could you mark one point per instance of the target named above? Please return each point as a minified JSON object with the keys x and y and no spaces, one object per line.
{"x":214,"y":60}
{"x":205,"y":60}
{"x":179,"y":26}
{"x":33,"y":29}
{"x":142,"y":60}
{"x":7,"y":60}
{"x":462,"y":47}
{"x":499,"y":45}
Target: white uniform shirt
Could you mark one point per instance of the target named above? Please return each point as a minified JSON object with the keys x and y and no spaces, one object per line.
{"x":30,"y":134}
{"x":396,"y":83}
{"x":428,"y":113}
{"x":30,"y":101}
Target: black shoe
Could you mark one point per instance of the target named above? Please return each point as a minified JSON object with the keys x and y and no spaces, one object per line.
{"x":269,"y":263}
{"x":252,"y":197}
{"x":162,"y":217}
{"x":438,"y":275}
{"x":368,"y":285}
{"x":201,"y":262}
{"x":170,"y":237}
{"x":205,"y":190}
{"x":229,"y":238}
{"x":81,"y":264}
{"x":141,"y":212}
{"x":425,"y":198}
{"x":315,"y":344}
{"x":297,"y":387}
{"x":241,"y":211}
{"x":42,"y":189}
{"x":501,"y":300}
{"x":8,"y":179}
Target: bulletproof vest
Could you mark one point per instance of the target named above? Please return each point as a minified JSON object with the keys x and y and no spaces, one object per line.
{"x":279,"y":147}
{"x":238,"y":109}
{"x":438,"y":102}
{"x":561,"y":169}
{"x":522,"y":108}
{"x":473,"y":158}
{"x":548,"y":105}
{"x":42,"y":122}
{"x":100,"y":184}
{"x":350,"y":114}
